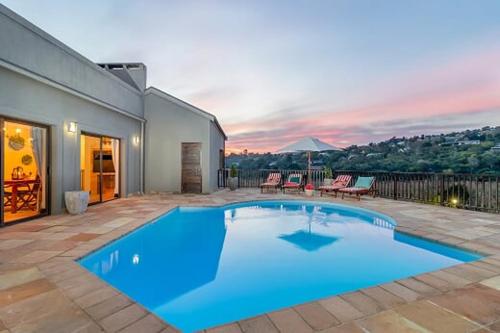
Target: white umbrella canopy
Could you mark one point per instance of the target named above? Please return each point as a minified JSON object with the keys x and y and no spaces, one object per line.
{"x":307,"y":144}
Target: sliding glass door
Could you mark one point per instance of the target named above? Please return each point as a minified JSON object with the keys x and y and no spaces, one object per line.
{"x":100,"y":167}
{"x":24,"y":170}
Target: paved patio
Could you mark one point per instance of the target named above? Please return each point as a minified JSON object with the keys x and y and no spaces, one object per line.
{"x":42,"y":289}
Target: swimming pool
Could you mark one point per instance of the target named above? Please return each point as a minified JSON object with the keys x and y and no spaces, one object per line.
{"x":201,"y":267}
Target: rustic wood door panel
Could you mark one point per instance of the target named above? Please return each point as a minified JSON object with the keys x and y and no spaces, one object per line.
{"x":191,"y":167}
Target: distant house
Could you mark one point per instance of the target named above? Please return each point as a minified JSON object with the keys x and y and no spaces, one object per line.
{"x":468,"y":142}
{"x":496,"y":148}
{"x":374,"y":155}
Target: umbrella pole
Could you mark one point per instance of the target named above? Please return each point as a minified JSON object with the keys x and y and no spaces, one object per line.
{"x":309,"y":167}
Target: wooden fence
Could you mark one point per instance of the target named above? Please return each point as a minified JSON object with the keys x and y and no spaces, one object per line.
{"x":467,"y":191}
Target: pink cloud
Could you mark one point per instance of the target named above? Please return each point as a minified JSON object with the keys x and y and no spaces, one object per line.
{"x":444,"y":97}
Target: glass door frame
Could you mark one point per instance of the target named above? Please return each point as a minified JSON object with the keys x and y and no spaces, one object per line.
{"x":117,"y":179}
{"x":48,"y":155}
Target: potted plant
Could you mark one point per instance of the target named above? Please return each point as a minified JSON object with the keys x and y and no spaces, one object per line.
{"x":309,"y":190}
{"x":328,"y":176}
{"x":76,"y":201}
{"x":232,"y":181}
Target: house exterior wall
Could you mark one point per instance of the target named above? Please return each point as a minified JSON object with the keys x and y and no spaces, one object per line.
{"x":168,"y":126}
{"x":217,"y":142}
{"x":26,"y":99}
{"x":25,"y":46}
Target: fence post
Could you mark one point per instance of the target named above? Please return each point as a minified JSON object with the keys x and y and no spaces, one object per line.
{"x":441,"y":185}
{"x":395,"y":190}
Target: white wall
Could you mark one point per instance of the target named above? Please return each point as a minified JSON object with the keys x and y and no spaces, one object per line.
{"x":168,"y":125}
{"x":26,"y":99}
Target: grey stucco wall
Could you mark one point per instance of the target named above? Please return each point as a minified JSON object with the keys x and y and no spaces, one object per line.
{"x":28,"y":47}
{"x":168,"y":125}
{"x":217,"y":142}
{"x":26,"y":99}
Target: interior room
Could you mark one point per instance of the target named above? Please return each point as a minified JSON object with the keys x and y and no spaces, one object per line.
{"x":24,"y":158}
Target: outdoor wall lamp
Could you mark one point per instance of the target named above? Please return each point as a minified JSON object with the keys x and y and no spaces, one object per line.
{"x":136,"y":140}
{"x":72,"y":127}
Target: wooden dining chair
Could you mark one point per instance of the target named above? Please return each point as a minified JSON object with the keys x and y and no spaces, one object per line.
{"x":7,"y":196}
{"x":30,"y":198}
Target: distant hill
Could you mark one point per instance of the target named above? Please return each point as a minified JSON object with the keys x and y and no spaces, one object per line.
{"x":471,"y":151}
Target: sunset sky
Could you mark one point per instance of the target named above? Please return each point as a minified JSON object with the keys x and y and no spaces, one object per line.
{"x":347,"y":72}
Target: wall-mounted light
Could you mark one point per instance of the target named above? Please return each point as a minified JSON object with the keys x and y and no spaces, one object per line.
{"x":18,"y":131}
{"x":72,"y":127}
{"x":136,"y":140}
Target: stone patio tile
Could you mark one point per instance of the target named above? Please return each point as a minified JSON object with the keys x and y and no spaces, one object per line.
{"x":118,"y":222}
{"x":470,"y":272}
{"x":486,"y":266}
{"x":362,"y":302}
{"x":260,"y":324}
{"x":289,"y":321}
{"x":435,"y":318}
{"x":453,"y":279}
{"x":47,"y":312}
{"x":434,"y":282}
{"x":58,"y":235}
{"x":96,"y":297}
{"x":37,"y":256}
{"x":148,"y":324}
{"x":477,"y":302}
{"x":401,"y":291}
{"x":345,"y":328}
{"x":108,"y":307}
{"x":340,"y":309}
{"x":390,"y":322}
{"x":14,"y":278}
{"x":418,"y":286}
{"x":493,"y":282}
{"x":8,"y":244}
{"x":453,"y":240}
{"x":386,"y":299}
{"x":24,"y":291}
{"x":83,"y":237}
{"x":123,"y":318}
{"x":229,"y":328}
{"x":170,"y":330}
{"x":316,"y":316}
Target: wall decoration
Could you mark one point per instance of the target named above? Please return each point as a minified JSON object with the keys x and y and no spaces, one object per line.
{"x":16,"y":142}
{"x":27,"y":159}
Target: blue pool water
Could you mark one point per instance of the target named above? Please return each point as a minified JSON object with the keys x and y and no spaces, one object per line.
{"x":200,"y":267}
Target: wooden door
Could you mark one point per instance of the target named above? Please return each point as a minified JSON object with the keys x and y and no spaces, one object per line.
{"x":191,"y":167}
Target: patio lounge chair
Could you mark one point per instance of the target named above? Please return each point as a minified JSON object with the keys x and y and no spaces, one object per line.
{"x":293,"y":182}
{"x":342,"y":181}
{"x":273,"y":182}
{"x":363,"y":185}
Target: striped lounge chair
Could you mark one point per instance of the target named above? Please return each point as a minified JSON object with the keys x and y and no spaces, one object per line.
{"x":342,"y":181}
{"x":363,"y":185}
{"x":273,"y":182}
{"x":294,"y":182}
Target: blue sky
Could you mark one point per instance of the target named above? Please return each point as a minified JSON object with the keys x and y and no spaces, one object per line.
{"x":348,"y":72}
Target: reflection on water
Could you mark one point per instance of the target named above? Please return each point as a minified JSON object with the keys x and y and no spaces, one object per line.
{"x":308,"y":241}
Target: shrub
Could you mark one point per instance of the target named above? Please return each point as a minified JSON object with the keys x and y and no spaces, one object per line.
{"x":233,"y":172}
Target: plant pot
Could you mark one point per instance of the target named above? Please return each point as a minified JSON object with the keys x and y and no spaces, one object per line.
{"x":232,"y":182}
{"x":309,"y":193}
{"x":76,"y":201}
{"x":328,"y":181}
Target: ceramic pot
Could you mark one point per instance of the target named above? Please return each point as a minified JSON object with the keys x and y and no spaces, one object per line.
{"x":76,"y":201}
{"x":232,"y":182}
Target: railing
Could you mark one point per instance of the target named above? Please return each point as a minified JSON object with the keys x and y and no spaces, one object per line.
{"x":467,"y":191}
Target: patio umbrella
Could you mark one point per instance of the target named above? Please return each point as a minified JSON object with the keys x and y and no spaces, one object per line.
{"x":307,"y":144}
